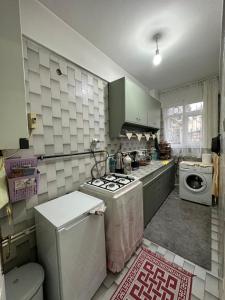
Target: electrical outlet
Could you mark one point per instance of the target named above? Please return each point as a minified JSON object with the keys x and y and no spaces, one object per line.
{"x":95,"y":144}
{"x":32,"y":121}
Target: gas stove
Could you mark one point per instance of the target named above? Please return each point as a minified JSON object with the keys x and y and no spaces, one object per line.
{"x":112,"y":182}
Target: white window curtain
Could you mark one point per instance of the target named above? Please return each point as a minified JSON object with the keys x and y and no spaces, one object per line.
{"x":190,"y":117}
{"x":210,"y":98}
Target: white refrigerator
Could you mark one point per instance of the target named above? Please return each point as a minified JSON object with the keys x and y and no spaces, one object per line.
{"x":71,"y":246}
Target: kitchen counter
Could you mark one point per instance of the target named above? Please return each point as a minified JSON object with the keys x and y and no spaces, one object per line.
{"x":155,"y":167}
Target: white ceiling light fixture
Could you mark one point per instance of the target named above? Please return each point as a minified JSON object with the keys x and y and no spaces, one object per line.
{"x":157,"y":57}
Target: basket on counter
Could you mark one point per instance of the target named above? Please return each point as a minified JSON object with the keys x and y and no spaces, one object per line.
{"x":23,"y":183}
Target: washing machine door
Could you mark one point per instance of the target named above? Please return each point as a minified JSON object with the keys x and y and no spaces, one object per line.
{"x":195,"y":182}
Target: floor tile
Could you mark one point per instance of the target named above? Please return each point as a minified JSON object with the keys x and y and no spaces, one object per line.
{"x":109,"y":293}
{"x":215,"y":256}
{"x":215,"y":269}
{"x":153,"y":247}
{"x":138,"y":251}
{"x":179,"y":260}
{"x":211,"y":285}
{"x":214,"y":228}
{"x":119,"y":278}
{"x":188,"y":267}
{"x":130,"y":262}
{"x":169,"y":256}
{"x":209,"y":296}
{"x":215,"y":221}
{"x":101,"y":291}
{"x":105,"y":294}
{"x":214,"y":245}
{"x":194,"y":298}
{"x":146,"y":242}
{"x":109,"y":280}
{"x":200,"y":272}
{"x":214,"y":236}
{"x":198,"y":288}
{"x":162,"y":251}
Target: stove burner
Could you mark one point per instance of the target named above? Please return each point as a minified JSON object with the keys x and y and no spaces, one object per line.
{"x":110,"y":177}
{"x":111,"y":186}
{"x":97,"y":182}
{"x":123,"y":180}
{"x":111,"y":182}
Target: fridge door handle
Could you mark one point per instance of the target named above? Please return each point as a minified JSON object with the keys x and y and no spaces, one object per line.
{"x":99,"y":211}
{"x":71,"y":224}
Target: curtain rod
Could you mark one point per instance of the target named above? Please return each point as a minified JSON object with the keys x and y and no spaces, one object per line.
{"x":43,"y":157}
{"x":216,"y":75}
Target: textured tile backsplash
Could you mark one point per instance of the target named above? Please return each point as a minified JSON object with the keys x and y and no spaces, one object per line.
{"x":72,"y":109}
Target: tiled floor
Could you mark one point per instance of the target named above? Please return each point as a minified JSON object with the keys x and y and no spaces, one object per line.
{"x":205,"y":283}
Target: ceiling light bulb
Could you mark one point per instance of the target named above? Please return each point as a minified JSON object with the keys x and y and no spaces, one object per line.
{"x":157,"y":58}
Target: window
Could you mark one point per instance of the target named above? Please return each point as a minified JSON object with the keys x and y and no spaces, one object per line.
{"x":184,"y":125}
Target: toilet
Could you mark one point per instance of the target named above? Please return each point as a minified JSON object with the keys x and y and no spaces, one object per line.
{"x":25,"y":282}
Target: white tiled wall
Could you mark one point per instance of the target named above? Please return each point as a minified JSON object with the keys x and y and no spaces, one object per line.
{"x":71,"y":109}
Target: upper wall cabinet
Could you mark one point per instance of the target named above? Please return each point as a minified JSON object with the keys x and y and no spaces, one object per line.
{"x":129,"y":103}
{"x":13,"y":119}
{"x":135,"y":103}
{"x":154,"y":113}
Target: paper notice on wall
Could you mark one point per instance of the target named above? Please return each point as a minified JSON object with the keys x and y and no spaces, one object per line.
{"x":4,"y":197}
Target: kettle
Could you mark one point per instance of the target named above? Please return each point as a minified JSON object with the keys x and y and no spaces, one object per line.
{"x":119,"y":162}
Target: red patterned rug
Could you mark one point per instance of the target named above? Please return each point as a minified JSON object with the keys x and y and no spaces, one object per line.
{"x":151,"y":277}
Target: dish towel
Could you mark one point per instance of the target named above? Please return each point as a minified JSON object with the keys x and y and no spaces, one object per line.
{"x":4,"y":197}
{"x":215,"y":186}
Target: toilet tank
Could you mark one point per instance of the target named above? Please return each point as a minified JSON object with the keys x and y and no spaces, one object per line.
{"x":25,"y":282}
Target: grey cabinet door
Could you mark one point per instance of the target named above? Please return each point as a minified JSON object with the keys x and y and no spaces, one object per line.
{"x":156,"y":192}
{"x":154,"y":113}
{"x":135,"y":103}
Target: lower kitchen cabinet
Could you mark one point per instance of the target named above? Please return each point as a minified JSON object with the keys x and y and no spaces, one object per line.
{"x":156,"y":191}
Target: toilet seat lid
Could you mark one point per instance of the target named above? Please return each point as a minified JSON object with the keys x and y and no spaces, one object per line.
{"x":22,"y":283}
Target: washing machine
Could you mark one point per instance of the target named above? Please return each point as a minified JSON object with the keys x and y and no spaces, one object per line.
{"x":195,"y":182}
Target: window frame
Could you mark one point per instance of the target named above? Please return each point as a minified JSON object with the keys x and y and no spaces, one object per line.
{"x":184,"y":128}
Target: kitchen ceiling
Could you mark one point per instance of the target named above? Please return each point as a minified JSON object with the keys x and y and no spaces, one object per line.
{"x":123,"y":30}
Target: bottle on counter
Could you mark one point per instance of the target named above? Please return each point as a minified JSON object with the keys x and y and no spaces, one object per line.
{"x":119,"y":163}
{"x":127,"y":164}
{"x":112,"y":165}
